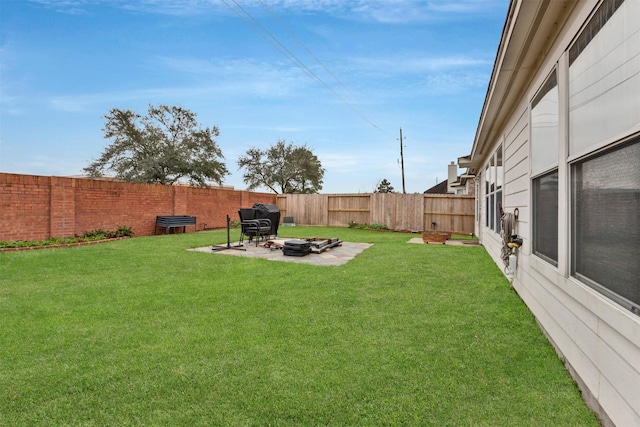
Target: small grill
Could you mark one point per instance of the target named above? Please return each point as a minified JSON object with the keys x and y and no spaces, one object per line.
{"x":270,"y":212}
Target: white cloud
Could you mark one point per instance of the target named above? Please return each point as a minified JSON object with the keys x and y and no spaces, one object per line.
{"x":401,"y":64}
{"x":234,"y":79}
{"x":44,"y":166}
{"x":241,"y":76}
{"x":338,"y":163}
{"x":385,"y":11}
{"x":81,"y":103}
{"x":233,"y":68}
{"x":454,"y":82}
{"x":71,"y":7}
{"x":462,"y":6}
{"x":420,"y":75}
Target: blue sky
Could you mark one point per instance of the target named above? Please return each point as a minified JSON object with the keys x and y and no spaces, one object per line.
{"x":381,"y":65}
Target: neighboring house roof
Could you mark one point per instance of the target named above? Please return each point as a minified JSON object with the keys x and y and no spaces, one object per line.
{"x":440,"y":188}
{"x":462,"y":180}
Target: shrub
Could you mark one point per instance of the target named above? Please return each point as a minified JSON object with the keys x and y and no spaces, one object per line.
{"x":97,"y":234}
{"x":29,"y":243}
{"x":87,"y":236}
{"x":365,"y":226}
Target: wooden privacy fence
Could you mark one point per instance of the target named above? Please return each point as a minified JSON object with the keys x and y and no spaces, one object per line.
{"x":412,"y":212}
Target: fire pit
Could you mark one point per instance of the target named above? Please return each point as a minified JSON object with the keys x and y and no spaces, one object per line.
{"x":316,"y":245}
{"x":436,"y":236}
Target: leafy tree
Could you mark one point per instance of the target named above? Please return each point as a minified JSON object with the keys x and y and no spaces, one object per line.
{"x":166,"y":145}
{"x":283,"y":168}
{"x":384,"y":187}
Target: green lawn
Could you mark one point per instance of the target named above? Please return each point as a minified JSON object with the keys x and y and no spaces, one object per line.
{"x":143,"y":332}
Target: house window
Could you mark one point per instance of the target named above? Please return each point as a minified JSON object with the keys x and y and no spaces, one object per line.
{"x":606,"y":223}
{"x":604,"y":82}
{"x":604,"y":109}
{"x":545,"y":217}
{"x":544,"y":162}
{"x":493,"y":191}
{"x":498,"y":205}
{"x":545,"y":114}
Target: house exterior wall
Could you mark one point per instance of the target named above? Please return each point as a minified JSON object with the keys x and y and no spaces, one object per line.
{"x":598,"y":339}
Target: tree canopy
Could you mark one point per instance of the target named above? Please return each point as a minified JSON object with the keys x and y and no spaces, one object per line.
{"x":283,"y":168}
{"x":163,"y":147}
{"x":384,"y":187}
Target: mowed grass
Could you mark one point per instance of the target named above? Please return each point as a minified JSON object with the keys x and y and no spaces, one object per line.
{"x":143,"y":332}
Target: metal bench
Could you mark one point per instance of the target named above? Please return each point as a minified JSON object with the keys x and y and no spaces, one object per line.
{"x":172,"y":221}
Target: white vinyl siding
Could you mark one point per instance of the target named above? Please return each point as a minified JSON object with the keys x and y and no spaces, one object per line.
{"x":596,"y":336}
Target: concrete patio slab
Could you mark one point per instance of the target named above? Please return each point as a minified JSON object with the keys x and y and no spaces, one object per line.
{"x":332,"y":257}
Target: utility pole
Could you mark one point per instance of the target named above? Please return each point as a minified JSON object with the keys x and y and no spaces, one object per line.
{"x":402,"y":163}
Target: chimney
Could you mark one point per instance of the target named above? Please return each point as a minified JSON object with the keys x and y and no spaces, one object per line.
{"x":452,"y":176}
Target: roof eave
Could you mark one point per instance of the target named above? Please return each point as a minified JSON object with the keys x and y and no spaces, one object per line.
{"x":530,"y":28}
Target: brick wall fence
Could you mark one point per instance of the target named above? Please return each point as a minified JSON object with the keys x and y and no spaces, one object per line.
{"x":38,"y":207}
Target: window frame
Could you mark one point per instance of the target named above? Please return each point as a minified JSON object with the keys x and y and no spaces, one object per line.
{"x":536,"y":221}
{"x":494,"y":183}
{"x":543,"y":161}
{"x":576,"y":234}
{"x":579,"y":98}
{"x":583,"y":190}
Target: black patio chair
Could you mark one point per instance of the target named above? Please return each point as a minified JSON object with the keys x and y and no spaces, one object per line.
{"x":252,"y":227}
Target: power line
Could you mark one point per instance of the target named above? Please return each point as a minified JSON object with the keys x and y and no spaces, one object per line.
{"x":289,"y":55}
{"x":254,"y":28}
{"x":309,"y":51}
{"x":292,"y":57}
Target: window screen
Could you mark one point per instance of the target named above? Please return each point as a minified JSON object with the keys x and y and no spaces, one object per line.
{"x":545,"y":217}
{"x":606,"y":223}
